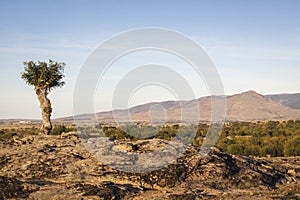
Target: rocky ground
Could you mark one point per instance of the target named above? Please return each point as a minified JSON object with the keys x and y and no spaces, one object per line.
{"x":60,"y":167}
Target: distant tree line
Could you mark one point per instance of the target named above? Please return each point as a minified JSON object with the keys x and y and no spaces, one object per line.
{"x":272,"y":138}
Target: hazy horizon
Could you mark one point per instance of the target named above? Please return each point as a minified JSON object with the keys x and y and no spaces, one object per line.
{"x":108,"y":110}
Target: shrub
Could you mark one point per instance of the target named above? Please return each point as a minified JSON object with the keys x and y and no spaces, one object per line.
{"x":251,"y":150}
{"x":197,"y":141}
{"x":235,"y":149}
{"x":7,"y":136}
{"x":59,"y":129}
{"x":292,"y":146}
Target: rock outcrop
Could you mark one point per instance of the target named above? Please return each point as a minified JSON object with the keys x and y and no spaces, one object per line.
{"x":60,"y":167}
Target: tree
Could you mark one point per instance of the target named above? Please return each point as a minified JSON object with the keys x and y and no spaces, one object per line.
{"x":44,"y":77}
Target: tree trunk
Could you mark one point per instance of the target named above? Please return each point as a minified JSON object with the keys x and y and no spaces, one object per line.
{"x":45,"y":106}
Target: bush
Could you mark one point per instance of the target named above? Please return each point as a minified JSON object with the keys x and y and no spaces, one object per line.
{"x":251,"y":150}
{"x":7,"y":136}
{"x":237,"y":149}
{"x":292,"y":146}
{"x":197,"y":141}
{"x":59,"y":129}
{"x":115,"y":133}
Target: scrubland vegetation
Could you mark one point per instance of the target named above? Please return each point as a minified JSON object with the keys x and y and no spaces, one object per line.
{"x":9,"y":132}
{"x":272,"y":138}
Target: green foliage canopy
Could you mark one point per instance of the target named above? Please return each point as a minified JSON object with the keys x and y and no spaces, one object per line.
{"x":44,"y":75}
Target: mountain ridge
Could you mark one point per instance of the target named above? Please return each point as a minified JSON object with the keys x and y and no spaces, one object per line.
{"x":290,"y":100}
{"x":245,"y":106}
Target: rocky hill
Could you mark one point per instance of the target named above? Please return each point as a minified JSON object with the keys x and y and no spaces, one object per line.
{"x":247,"y":106}
{"x":251,"y":106}
{"x":290,"y":100}
{"x":59,"y":167}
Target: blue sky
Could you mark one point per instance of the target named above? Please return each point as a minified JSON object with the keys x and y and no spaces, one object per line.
{"x":254,"y":44}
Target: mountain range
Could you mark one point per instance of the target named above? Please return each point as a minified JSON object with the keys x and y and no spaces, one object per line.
{"x":290,"y":100}
{"x":246,"y":106}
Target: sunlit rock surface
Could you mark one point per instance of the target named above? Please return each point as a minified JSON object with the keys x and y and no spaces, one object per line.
{"x":60,"y":167}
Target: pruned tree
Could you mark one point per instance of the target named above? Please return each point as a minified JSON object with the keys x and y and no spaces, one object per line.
{"x":44,"y":77}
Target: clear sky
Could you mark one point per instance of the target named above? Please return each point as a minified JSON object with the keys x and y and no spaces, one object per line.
{"x":254,"y":44}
